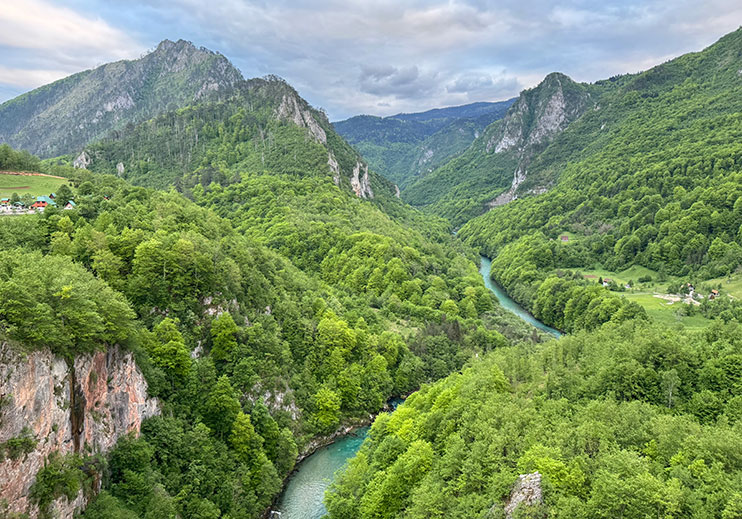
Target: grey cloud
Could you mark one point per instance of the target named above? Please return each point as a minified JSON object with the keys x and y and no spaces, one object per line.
{"x":399,"y":82}
{"x":387,"y":56}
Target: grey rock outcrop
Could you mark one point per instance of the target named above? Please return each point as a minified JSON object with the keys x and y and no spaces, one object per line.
{"x":84,"y":408}
{"x":82,"y":161}
{"x":538,"y":116}
{"x":526,"y":492}
{"x":291,"y":110}
{"x":361,"y":184}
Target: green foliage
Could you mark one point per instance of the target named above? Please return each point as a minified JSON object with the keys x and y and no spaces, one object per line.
{"x":18,"y":446}
{"x":405,"y":146}
{"x":51,"y":301}
{"x":60,"y":476}
{"x":611,"y":419}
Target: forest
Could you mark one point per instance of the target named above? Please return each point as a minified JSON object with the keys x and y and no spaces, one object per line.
{"x":154,"y":272}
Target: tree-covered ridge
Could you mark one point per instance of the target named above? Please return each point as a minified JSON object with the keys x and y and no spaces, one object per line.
{"x":629,"y":421}
{"x":404,"y":147}
{"x":651,"y":177}
{"x":64,"y":116}
{"x":263,"y":127}
{"x":251,"y":356}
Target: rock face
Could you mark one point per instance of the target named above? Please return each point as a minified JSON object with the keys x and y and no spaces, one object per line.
{"x":82,"y":161}
{"x":532,"y":123}
{"x":526,"y":492}
{"x":291,"y":110}
{"x":360,"y":183}
{"x":82,"y":408}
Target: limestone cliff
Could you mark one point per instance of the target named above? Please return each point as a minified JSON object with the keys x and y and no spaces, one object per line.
{"x":84,"y":407}
{"x":532,"y":123}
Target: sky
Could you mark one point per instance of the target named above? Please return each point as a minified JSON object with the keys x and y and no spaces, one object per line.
{"x":377,"y":57}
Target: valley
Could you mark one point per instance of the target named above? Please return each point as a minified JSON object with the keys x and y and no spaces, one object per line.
{"x":551,"y":283}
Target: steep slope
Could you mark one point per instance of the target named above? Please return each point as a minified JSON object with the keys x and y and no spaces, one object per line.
{"x":52,"y":407}
{"x":404,"y":146}
{"x":650,"y":177}
{"x":490,"y":172}
{"x":609,"y":424}
{"x":63,"y":116}
{"x":263,"y":127}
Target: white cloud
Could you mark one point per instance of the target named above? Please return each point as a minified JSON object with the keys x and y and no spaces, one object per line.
{"x":24,"y":78}
{"x":44,"y":42}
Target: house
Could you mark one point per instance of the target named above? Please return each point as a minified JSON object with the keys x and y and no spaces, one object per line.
{"x":713,"y":295}
{"x":70,"y":205}
{"x":42,"y":201}
{"x":564,"y":238}
{"x":607,"y":282}
{"x":5,"y":201}
{"x":53,"y":196}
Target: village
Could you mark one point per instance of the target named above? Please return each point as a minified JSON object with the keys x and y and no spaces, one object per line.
{"x":10,"y":207}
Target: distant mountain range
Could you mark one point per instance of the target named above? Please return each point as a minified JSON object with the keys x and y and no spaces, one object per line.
{"x":405,"y":147}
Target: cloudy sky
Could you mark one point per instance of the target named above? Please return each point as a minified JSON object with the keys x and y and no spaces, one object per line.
{"x":367,"y":56}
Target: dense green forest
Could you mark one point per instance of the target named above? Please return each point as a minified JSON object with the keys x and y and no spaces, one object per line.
{"x":273,"y":290}
{"x":314,"y":297}
{"x":634,"y":420}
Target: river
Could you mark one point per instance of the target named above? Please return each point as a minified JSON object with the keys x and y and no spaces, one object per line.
{"x":304,"y":493}
{"x":508,"y":304}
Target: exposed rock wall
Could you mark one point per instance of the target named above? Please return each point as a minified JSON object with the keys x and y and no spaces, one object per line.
{"x":82,"y":408}
{"x":361,"y":184}
{"x":291,"y":110}
{"x":538,"y":116}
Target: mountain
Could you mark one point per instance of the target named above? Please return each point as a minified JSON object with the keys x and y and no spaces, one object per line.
{"x":649,"y":179}
{"x":63,"y":116}
{"x":272,"y":292}
{"x":500,"y":157}
{"x":403,"y":147}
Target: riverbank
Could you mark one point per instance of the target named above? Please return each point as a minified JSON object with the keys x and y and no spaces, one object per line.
{"x":310,"y":492}
{"x":508,"y":303}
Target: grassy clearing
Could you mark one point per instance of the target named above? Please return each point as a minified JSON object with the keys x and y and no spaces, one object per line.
{"x":661,"y":311}
{"x":731,"y":285}
{"x":633,"y":273}
{"x":33,"y":185}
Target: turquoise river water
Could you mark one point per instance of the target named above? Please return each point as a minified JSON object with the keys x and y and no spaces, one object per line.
{"x":303,"y":495}
{"x":508,"y":304}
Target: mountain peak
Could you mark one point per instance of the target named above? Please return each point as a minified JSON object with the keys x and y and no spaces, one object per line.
{"x":62,"y":117}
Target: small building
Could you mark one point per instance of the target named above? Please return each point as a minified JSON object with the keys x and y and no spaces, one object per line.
{"x":713,"y":295}
{"x":4,"y":201}
{"x":70,"y":205}
{"x":564,"y":237}
{"x":53,"y":196}
{"x":607,"y":282}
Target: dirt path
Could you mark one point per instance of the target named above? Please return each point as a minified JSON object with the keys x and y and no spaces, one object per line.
{"x":30,"y":174}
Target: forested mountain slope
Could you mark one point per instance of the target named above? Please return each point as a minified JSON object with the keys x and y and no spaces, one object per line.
{"x":632,"y":421}
{"x":312,"y":299}
{"x":404,"y":147}
{"x":250,"y":356}
{"x":650,"y":177}
{"x":491,"y":171}
{"x":63,"y":116}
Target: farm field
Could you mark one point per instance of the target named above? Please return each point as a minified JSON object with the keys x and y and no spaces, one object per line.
{"x":34,"y":185}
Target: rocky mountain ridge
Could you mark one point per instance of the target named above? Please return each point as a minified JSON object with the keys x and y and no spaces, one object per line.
{"x":63,"y":116}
